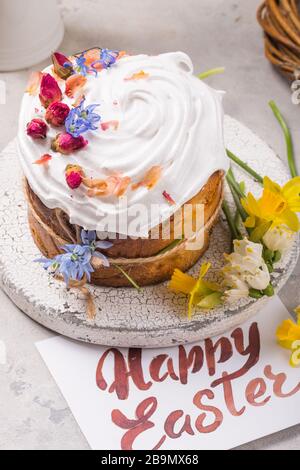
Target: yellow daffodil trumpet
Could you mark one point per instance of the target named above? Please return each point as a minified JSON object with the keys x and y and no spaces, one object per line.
{"x":288,"y":336}
{"x":202,"y":294}
{"x":277,"y":205}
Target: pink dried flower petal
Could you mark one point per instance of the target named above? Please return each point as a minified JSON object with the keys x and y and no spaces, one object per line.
{"x":169,"y":198}
{"x":115,"y":185}
{"x":137,"y":76}
{"x":49,"y":90}
{"x":74,"y":85}
{"x":34,"y":83}
{"x":150,"y":179}
{"x":110,"y":124}
{"x":45,"y":159}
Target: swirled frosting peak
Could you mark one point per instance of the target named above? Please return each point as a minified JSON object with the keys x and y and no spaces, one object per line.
{"x":156,"y":116}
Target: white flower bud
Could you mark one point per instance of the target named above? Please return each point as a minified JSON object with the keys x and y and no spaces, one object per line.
{"x":279,"y":239}
{"x":245,"y":269}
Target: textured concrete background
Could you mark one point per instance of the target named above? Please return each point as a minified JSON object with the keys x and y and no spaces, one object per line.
{"x":33,"y":414}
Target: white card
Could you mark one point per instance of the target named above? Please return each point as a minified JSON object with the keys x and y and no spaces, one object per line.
{"x":185,"y":407}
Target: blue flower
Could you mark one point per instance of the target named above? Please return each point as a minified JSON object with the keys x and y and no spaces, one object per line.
{"x":75,"y":263}
{"x":82,"y":119}
{"x":69,"y":65}
{"x":80,"y":65}
{"x":107,"y":58}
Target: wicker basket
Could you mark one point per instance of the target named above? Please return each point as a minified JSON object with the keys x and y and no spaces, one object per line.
{"x":280,"y":20}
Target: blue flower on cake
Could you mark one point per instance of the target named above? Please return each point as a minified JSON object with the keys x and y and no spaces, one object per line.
{"x":81,"y":119}
{"x":76,"y":263}
{"x":81,"y":66}
{"x":108,"y":58}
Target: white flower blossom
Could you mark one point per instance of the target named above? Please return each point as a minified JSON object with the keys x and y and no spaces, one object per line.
{"x":279,"y":239}
{"x":245,"y":269}
{"x":260,"y":280}
{"x":238,"y":289}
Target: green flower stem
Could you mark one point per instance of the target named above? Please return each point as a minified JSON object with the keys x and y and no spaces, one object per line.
{"x":237,"y":218}
{"x":211,"y":72}
{"x":241,"y":211}
{"x":134,"y":284}
{"x":235,"y":233}
{"x":288,"y":138}
{"x":245,"y":167}
{"x":172,"y":245}
{"x":234,"y":184}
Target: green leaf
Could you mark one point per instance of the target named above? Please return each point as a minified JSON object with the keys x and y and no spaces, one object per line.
{"x":268,"y":255}
{"x":211,"y":301}
{"x":288,"y":138}
{"x":211,"y":72}
{"x":270,"y":266}
{"x":277,"y":257}
{"x":235,"y":233}
{"x":134,"y":284}
{"x":255,"y":294}
{"x":245,"y":167}
{"x":242,"y":185}
{"x":269,"y":291}
{"x":258,"y":233}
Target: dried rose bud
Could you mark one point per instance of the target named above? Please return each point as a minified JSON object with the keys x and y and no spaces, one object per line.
{"x":66,"y":143}
{"x":37,"y":129}
{"x":62,"y":65}
{"x":49,"y":90}
{"x":74,"y":176}
{"x":57,"y":114}
{"x":74,"y":180}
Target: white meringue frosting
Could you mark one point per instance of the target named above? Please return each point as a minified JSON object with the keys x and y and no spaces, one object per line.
{"x":171,"y":119}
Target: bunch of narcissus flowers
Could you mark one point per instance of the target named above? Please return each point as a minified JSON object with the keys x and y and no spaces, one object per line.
{"x":269,"y":225}
{"x":262,"y":229}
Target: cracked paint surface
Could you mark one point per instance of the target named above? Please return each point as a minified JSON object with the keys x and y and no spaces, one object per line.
{"x":156,"y":317}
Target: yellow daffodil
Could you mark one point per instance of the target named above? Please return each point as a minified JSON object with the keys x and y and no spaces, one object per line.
{"x":295,"y":357}
{"x":203,"y":294}
{"x":277,"y":205}
{"x":287,"y":333}
{"x":297,"y":310}
{"x":288,"y":336}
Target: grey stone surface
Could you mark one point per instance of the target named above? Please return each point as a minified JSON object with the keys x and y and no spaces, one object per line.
{"x":33,"y":414}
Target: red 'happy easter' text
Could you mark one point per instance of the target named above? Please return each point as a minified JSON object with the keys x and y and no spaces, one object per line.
{"x":162,"y":368}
